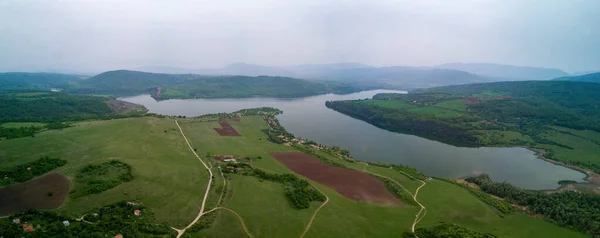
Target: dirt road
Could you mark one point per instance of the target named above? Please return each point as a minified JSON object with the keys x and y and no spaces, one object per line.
{"x":181,"y":231}
{"x":315,"y":214}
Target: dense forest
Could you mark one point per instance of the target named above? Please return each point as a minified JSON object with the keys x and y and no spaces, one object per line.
{"x":53,"y":108}
{"x":570,"y":209}
{"x":50,"y":106}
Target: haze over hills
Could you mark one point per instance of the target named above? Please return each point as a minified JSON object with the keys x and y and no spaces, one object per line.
{"x":166,"y":86}
{"x":45,"y":81}
{"x":398,"y":77}
{"x":593,"y":78}
{"x":500,"y":72}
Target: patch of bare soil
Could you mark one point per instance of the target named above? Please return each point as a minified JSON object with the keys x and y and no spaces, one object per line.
{"x":122,"y":107}
{"x":350,"y":183}
{"x":46,"y":192}
{"x":226,"y":129}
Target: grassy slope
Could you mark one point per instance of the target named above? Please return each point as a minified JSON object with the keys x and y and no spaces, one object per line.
{"x":140,"y":142}
{"x":170,"y":181}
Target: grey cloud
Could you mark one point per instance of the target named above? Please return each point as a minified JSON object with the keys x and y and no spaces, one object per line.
{"x":105,"y":35}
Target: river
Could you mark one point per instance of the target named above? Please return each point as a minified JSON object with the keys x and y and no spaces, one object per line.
{"x":309,"y":118}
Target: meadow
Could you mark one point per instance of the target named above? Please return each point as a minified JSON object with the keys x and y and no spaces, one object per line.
{"x":170,"y":181}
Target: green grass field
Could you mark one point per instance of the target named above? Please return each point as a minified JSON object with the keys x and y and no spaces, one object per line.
{"x":170,"y":181}
{"x":457,"y":105}
{"x":435,"y":111}
{"x":160,"y":161}
{"x":21,"y":124}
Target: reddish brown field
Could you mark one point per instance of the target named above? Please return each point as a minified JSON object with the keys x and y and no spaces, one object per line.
{"x":226,"y":129}
{"x":34,"y":194}
{"x":352,"y":184}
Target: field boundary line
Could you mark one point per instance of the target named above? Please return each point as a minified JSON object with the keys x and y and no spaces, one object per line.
{"x":315,"y":214}
{"x":180,"y":232}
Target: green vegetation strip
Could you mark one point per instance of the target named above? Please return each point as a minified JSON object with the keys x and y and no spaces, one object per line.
{"x":298,"y":191}
{"x":24,"y":172}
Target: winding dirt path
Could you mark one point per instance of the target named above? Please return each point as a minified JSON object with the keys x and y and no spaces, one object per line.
{"x":181,"y":231}
{"x":423,"y":211}
{"x":315,"y":214}
{"x":237,"y":215}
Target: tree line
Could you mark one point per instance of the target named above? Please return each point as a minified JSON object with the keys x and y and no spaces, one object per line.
{"x":570,"y":209}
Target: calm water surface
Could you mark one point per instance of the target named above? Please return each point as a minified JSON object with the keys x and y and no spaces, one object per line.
{"x":309,"y":118}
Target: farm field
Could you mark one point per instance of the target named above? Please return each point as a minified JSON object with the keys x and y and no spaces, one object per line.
{"x":170,"y":181}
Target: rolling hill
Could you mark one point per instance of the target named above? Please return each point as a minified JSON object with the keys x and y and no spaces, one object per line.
{"x":36,"y":81}
{"x":395,"y":77}
{"x":592,"y":78}
{"x":501,"y":72}
{"x":166,"y":86}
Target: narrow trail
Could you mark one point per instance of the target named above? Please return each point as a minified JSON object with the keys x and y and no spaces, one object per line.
{"x":423,"y":211}
{"x":315,"y":214}
{"x":237,"y":215}
{"x":181,"y":231}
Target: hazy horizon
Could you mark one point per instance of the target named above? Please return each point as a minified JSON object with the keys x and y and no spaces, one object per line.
{"x":96,"y":36}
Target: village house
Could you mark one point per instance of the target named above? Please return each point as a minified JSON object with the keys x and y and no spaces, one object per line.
{"x":66,"y":223}
{"x":28,"y":228}
{"x":137,"y":212}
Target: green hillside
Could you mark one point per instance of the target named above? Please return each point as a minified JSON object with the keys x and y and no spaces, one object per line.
{"x":168,"y":184}
{"x":167,"y":86}
{"x":560,"y":118}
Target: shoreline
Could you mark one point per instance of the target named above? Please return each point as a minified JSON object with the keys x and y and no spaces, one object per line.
{"x":591,"y":177}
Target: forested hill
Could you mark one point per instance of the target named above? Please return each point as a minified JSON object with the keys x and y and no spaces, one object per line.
{"x":40,"y":81}
{"x":166,"y":86}
{"x":560,"y":117}
{"x":58,"y":107}
{"x":572,"y":104}
{"x":593,"y":78}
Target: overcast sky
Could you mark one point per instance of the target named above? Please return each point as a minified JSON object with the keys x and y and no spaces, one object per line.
{"x":105,"y":35}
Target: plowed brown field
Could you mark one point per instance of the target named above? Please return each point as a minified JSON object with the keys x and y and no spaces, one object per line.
{"x":352,"y":184}
{"x":226,"y":129}
{"x":46,"y":192}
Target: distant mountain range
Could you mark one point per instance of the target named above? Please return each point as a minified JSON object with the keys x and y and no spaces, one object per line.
{"x":288,"y":81}
{"x":168,"y":86}
{"x":398,"y":77}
